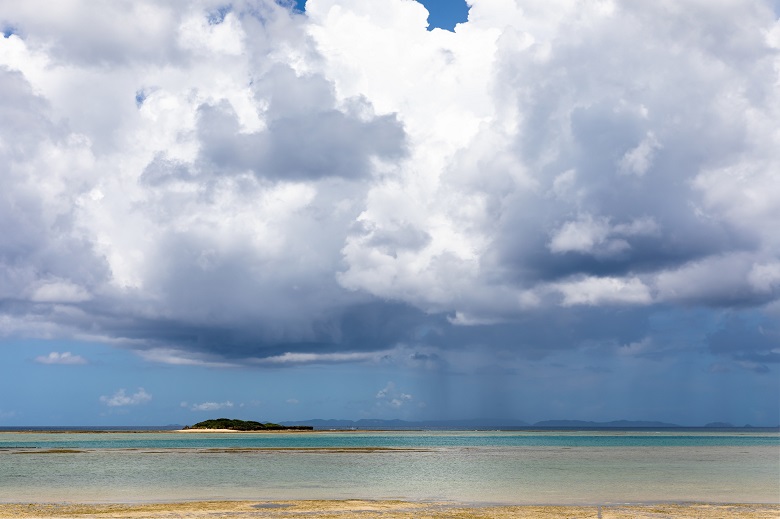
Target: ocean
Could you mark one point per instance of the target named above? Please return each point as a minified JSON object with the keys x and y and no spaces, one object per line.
{"x":481,"y":467}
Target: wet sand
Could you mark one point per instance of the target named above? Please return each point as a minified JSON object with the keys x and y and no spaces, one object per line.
{"x":356,"y":509}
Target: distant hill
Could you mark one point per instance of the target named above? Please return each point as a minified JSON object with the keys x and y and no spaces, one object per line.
{"x":244,"y":425}
{"x":615,"y":423}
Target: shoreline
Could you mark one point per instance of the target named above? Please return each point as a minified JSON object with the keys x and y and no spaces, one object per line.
{"x":386,"y":509}
{"x":224,"y":431}
{"x":755,"y":431}
{"x":177,"y":431}
{"x":232,"y":431}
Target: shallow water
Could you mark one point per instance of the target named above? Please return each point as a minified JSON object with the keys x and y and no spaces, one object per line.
{"x":481,"y":467}
{"x":396,"y":439}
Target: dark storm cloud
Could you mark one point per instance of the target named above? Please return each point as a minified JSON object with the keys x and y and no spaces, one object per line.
{"x":368,"y":327}
{"x":745,"y":338}
{"x":674,"y":245}
{"x":543,"y":333}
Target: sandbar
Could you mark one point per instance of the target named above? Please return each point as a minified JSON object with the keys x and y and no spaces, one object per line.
{"x":363,"y":509}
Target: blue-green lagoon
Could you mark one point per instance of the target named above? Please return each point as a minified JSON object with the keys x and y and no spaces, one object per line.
{"x":513,"y":467}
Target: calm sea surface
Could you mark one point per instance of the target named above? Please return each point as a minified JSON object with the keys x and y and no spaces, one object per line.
{"x":482,"y":467}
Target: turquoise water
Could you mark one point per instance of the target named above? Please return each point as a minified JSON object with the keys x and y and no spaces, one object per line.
{"x":481,"y":467}
{"x":401,"y":439}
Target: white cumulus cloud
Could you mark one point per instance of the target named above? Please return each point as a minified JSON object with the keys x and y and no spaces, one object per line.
{"x":600,"y":291}
{"x":211,"y":406}
{"x":65,"y":357}
{"x":122,"y":399}
{"x":391,"y":397}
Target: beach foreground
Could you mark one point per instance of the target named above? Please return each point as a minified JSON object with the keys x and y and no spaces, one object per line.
{"x":358,"y":509}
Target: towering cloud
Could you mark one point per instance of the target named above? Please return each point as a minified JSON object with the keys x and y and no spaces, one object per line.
{"x":207,"y":182}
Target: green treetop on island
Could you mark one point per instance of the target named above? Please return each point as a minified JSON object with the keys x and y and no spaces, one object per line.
{"x":246,"y":425}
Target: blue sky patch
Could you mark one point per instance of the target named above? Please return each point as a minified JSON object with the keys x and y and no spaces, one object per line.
{"x":140,"y":97}
{"x":443,"y":14}
{"x":218,"y":16}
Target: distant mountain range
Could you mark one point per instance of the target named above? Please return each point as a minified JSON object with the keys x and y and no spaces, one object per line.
{"x":614,"y":423}
{"x":487,"y":423}
{"x":404,"y":424}
{"x":376,"y":424}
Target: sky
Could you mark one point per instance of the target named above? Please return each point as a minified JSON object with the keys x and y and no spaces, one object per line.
{"x":510,"y":209}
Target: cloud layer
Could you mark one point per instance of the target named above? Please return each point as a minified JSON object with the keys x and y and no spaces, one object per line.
{"x":247,"y":184}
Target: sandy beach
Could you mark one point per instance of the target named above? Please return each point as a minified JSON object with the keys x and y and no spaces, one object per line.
{"x":357,"y":509}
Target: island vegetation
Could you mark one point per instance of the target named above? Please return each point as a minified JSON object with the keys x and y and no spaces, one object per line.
{"x":246,"y":425}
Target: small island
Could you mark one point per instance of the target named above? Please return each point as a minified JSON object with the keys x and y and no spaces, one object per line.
{"x":245,"y":425}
